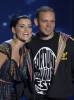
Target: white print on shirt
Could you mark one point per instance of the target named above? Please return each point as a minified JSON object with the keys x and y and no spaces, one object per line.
{"x":44,"y":63}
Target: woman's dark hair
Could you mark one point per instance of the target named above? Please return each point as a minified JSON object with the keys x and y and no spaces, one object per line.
{"x":16,"y":18}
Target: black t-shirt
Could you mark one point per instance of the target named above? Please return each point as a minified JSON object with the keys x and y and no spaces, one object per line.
{"x":44,"y":54}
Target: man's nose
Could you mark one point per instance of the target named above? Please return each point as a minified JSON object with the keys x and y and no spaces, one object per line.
{"x":48,"y":23}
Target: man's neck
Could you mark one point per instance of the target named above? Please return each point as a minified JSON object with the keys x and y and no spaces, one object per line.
{"x":43,"y":37}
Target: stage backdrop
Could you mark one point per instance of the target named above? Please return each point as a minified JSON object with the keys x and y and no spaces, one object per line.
{"x":63,"y":10}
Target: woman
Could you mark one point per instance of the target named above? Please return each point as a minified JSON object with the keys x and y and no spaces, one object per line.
{"x":13,"y":60}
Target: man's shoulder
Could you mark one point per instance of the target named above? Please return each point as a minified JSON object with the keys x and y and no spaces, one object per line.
{"x":71,"y":38}
{"x":34,"y":35}
{"x":65,"y":35}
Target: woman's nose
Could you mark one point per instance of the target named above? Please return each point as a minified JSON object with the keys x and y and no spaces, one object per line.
{"x":25,"y":28}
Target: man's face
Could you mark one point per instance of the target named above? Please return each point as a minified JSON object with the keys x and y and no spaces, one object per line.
{"x":46,"y":23}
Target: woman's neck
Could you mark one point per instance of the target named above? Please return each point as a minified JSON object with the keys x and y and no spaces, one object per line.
{"x":17,"y":45}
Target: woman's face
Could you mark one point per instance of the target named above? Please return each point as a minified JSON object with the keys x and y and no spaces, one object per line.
{"x":23,"y":29}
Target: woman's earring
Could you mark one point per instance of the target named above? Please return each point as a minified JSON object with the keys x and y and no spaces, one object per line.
{"x":14,"y":38}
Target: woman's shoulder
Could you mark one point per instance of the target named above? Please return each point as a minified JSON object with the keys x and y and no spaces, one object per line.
{"x":5,"y":48}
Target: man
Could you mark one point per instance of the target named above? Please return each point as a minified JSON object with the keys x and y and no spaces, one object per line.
{"x":53,"y":59}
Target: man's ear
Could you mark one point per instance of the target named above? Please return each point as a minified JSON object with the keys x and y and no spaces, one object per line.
{"x":36,"y":21}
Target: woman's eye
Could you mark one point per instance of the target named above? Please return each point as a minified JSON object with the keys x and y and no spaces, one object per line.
{"x":22,"y":26}
{"x":30,"y":26}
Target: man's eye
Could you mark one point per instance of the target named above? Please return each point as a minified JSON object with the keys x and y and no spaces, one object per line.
{"x":52,"y":21}
{"x":44,"y":21}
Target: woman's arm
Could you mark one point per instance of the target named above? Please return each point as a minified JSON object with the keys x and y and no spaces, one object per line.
{"x":3,"y":58}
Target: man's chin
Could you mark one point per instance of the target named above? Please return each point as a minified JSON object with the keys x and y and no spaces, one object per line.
{"x":46,"y":35}
{"x":43,"y":34}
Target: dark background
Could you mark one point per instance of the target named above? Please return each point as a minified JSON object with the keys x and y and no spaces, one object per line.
{"x":64,"y":10}
{"x":73,"y":18}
